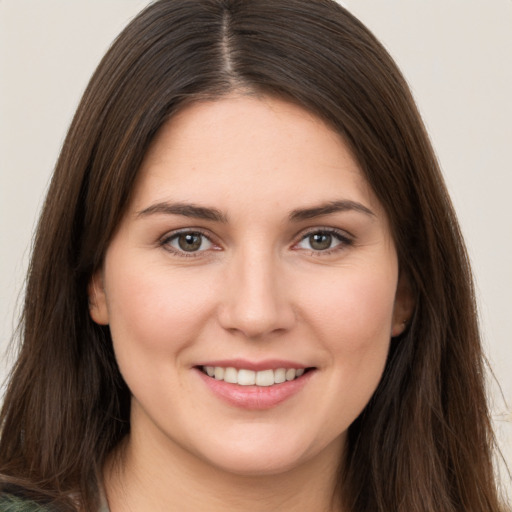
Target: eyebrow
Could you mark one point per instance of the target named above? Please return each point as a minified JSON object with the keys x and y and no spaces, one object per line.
{"x":186,"y":210}
{"x":301,"y":214}
{"x":213,"y":214}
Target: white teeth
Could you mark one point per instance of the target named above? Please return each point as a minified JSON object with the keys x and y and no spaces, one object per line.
{"x":279,"y":375}
{"x":290,"y":374}
{"x":265,"y":378}
{"x":231,"y":375}
{"x":245,"y":377}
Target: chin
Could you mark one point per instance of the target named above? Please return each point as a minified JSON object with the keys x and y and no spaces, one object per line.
{"x":254,"y":456}
{"x":256,"y":464}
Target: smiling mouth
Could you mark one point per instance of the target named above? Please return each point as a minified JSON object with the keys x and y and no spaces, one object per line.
{"x":263,"y":378}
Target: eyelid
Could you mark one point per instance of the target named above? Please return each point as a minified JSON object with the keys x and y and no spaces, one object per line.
{"x":345,"y":239}
{"x":165,"y":240}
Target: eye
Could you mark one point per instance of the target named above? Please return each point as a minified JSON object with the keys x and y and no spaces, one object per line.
{"x":188,"y":242}
{"x":323,"y":240}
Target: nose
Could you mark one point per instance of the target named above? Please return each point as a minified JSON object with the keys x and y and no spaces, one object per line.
{"x":256,"y":302}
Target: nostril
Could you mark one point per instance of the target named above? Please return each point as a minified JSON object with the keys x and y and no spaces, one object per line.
{"x":255,"y":309}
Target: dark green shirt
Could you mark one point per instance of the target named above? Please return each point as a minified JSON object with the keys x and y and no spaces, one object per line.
{"x":10,"y":503}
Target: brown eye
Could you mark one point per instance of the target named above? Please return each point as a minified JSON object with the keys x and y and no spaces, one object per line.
{"x":190,"y":241}
{"x":320,"y":241}
{"x":324,"y":240}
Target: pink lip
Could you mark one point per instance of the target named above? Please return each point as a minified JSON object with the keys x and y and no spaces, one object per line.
{"x":268,"y":364}
{"x":254,"y":397}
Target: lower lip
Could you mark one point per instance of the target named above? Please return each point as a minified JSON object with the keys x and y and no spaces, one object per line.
{"x":255,"y":397}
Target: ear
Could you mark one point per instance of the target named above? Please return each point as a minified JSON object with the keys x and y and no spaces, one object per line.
{"x":97,"y":299}
{"x":404,"y":305}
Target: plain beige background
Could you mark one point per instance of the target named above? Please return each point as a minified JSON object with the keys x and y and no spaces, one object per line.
{"x":456,"y":55}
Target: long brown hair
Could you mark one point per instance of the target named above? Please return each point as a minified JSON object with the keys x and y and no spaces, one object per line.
{"x":424,"y":442}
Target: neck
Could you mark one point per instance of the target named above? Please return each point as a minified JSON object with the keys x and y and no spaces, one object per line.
{"x":140,"y":476}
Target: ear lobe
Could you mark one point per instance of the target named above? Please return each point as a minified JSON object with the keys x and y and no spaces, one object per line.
{"x":97,"y":299}
{"x":404,"y":306}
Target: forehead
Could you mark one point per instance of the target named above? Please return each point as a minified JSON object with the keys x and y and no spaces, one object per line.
{"x":254,"y":148}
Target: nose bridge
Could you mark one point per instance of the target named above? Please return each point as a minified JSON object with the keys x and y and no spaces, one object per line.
{"x":256,"y":302}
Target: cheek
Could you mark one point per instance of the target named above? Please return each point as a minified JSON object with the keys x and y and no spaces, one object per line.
{"x":352,"y":319}
{"x":355,"y":310}
{"x":154,"y":311}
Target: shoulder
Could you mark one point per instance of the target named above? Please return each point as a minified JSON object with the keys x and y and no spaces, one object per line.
{"x":11,"y":503}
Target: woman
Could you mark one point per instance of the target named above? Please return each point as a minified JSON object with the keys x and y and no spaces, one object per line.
{"x":248,"y":288}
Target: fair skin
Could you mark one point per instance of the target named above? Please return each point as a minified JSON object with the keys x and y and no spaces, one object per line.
{"x":252,"y":242}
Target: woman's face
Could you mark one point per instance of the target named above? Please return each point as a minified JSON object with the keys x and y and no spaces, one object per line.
{"x":253,"y":251}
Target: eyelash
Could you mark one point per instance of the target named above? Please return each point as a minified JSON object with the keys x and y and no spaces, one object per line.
{"x":341,"y":236}
{"x":166,"y":241}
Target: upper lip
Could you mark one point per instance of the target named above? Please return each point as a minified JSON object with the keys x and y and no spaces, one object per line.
{"x":266,"y":364}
